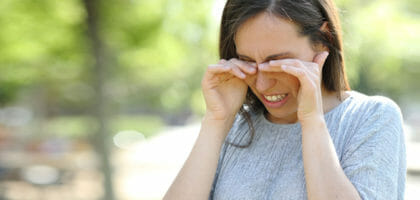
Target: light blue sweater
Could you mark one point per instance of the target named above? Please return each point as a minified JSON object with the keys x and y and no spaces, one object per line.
{"x":368,"y":137}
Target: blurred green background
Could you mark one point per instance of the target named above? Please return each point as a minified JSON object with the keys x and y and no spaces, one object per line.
{"x":76,"y":74}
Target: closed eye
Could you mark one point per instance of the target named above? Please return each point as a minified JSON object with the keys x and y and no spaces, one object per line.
{"x":245,"y":59}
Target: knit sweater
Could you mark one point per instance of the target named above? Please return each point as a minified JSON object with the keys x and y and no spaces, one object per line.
{"x":368,"y":137}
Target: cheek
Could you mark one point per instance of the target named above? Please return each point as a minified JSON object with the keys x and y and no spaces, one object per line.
{"x":250,"y":81}
{"x":293,"y":84}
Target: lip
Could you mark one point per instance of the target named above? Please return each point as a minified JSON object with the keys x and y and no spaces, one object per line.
{"x":275,"y":104}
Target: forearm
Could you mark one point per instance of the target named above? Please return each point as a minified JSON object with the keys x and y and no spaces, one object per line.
{"x":325,"y":178}
{"x":196,"y":176}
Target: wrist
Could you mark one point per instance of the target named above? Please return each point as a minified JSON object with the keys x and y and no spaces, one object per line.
{"x":217,"y":125}
{"x":214,"y":118}
{"x":312,"y":122}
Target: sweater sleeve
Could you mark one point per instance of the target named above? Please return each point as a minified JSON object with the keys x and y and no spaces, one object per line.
{"x":374,"y":156}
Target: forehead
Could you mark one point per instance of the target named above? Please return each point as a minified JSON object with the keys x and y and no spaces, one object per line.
{"x":266,"y":34}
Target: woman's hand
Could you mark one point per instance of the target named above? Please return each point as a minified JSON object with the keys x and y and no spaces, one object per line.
{"x":224,"y":88}
{"x":309,"y":75}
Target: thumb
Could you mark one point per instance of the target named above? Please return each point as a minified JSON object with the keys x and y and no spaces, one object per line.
{"x":320,"y":58}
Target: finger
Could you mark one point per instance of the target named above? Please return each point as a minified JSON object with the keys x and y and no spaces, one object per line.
{"x":320,"y":59}
{"x":295,"y":71}
{"x":218,"y":68}
{"x":304,"y":77}
{"x":233,"y":69}
{"x":250,"y":68}
{"x":268,"y":68}
{"x":289,"y":62}
{"x":309,"y":74}
{"x":237,"y":72}
{"x":227,"y":67}
{"x":275,"y":65}
{"x":222,"y":61}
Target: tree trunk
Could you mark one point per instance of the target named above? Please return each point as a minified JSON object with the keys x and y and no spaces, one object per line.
{"x":98,"y":76}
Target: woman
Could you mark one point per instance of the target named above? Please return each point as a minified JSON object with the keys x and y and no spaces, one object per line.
{"x":300,"y":133}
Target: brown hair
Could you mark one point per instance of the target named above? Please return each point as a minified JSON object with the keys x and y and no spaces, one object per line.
{"x":309,"y":16}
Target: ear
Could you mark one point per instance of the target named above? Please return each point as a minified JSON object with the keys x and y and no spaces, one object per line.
{"x":324,"y":27}
{"x":326,"y":30}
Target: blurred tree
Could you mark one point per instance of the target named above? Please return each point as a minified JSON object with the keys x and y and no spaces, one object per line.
{"x":162,"y":48}
{"x":42,"y":47}
{"x":381,"y":46}
{"x":156,"y":53}
{"x":99,"y":74}
{"x":159,"y":49}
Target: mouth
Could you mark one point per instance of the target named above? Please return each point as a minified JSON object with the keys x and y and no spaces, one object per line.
{"x":276,"y":100}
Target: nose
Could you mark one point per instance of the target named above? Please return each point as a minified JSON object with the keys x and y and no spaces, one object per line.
{"x":264,"y":82}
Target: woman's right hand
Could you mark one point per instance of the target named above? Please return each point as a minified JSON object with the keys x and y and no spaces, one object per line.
{"x":224,"y":87}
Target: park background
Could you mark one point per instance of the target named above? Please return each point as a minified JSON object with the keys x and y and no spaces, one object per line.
{"x":101,"y":99}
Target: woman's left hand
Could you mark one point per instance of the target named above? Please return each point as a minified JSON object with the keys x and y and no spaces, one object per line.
{"x":309,"y":75}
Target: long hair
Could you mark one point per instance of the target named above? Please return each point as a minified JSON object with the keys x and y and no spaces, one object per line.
{"x":308,"y":16}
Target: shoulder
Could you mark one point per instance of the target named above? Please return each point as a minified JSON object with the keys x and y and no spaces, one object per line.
{"x":376,"y":126}
{"x":374,"y":147}
{"x":378,"y":107}
{"x":373,"y":118}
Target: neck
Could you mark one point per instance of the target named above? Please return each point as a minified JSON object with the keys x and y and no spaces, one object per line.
{"x":331,"y":99}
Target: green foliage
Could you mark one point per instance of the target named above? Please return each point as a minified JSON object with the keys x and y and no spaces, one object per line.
{"x":158,"y":50}
{"x":41,"y":44}
{"x":380,"y":44}
{"x":161,"y":50}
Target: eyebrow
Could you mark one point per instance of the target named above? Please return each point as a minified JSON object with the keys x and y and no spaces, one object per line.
{"x":271,"y":57}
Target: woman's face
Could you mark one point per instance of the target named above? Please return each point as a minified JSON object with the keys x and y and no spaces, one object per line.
{"x":266,"y":37}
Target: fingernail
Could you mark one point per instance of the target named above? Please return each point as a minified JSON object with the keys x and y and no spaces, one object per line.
{"x":326,"y":53}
